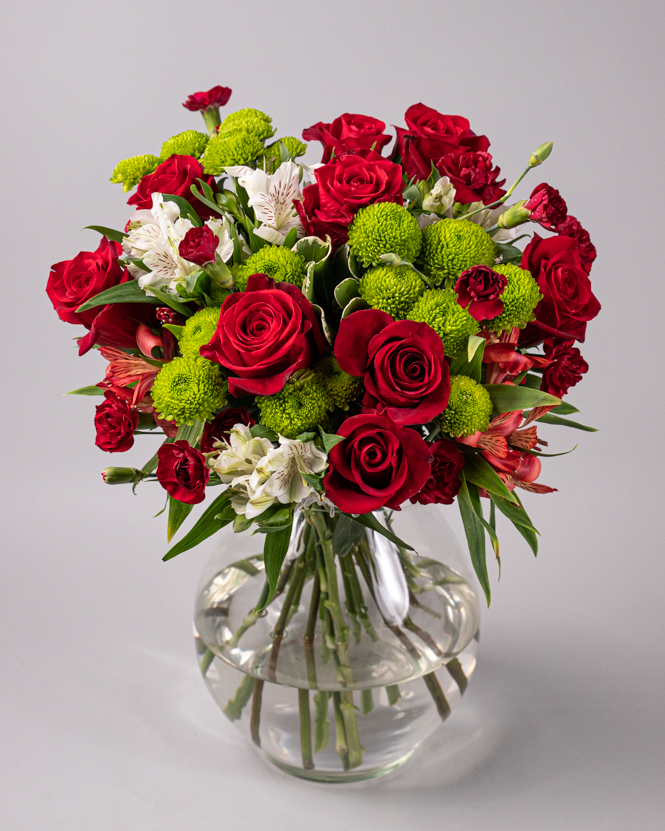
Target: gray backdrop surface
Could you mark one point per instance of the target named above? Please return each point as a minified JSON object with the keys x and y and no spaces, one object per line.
{"x":104,"y":720}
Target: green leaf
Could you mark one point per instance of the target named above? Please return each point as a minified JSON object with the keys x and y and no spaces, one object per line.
{"x":206,"y":199}
{"x":481,"y":473}
{"x":150,"y":465}
{"x":93,"y":390}
{"x":129,"y":292}
{"x":344,"y":263}
{"x":508,"y":253}
{"x":347,"y":534}
{"x":346,"y":291}
{"x":565,"y":409}
{"x":186,"y":210}
{"x":218,"y":514}
{"x":548,"y":418}
{"x":490,"y":527}
{"x":190,"y":433}
{"x":371,"y":522}
{"x":274,"y":552}
{"x":259,"y":431}
{"x":173,"y":329}
{"x":471,"y":362}
{"x":290,"y":239}
{"x":312,"y":249}
{"x":329,"y":439}
{"x":115,"y":236}
{"x":475,"y":537}
{"x":532,"y":381}
{"x":168,"y":300}
{"x":178,"y":513}
{"x":515,"y":512}
{"x":507,"y":398}
{"x":277,"y":516}
{"x":355,"y":305}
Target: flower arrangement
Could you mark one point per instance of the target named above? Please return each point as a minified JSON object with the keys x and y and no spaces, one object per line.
{"x":345,"y":337}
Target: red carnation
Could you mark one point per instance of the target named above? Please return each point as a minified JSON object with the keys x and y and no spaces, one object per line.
{"x":348,"y":132}
{"x":586,"y":249}
{"x":220,"y":427}
{"x":479,"y":290}
{"x":175,"y":176}
{"x":115,"y":422}
{"x":473,"y":176}
{"x":199,"y":245}
{"x":566,"y":369}
{"x":182,"y":472}
{"x":215,"y":97}
{"x":444,"y":483}
{"x":547,"y":206}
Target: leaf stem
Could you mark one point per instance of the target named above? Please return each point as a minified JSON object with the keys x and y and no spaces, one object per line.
{"x":255,"y":720}
{"x":305,"y":729}
{"x":292,"y":593}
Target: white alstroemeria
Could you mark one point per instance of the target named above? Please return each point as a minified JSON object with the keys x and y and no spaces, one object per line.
{"x":488,"y":218}
{"x":239,"y":455}
{"x":427,"y":219}
{"x":441,"y":198}
{"x":220,"y":228}
{"x":272,"y":199}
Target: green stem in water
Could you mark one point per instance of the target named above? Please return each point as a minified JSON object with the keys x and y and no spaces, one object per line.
{"x":455,"y":669}
{"x":255,"y":720}
{"x":355,"y":749}
{"x":321,"y":722}
{"x":235,"y":705}
{"x":251,"y":618}
{"x":394,"y":694}
{"x":308,"y":637}
{"x":298,"y":577}
{"x":340,"y":732}
{"x":305,"y":730}
{"x":206,"y":660}
{"x":437,"y":694}
{"x":366,"y":702}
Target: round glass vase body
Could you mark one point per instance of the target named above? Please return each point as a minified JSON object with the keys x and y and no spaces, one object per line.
{"x":360,"y":655}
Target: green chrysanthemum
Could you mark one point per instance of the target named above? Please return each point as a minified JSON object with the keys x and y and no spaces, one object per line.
{"x":384,"y":228}
{"x":453,"y":324}
{"x":189,"y":143}
{"x":129,"y":172}
{"x":277,"y":262}
{"x":520,"y":298}
{"x":218,"y":294}
{"x":393,"y":289}
{"x":188,"y":389}
{"x":342,"y":387}
{"x":469,"y":408}
{"x":228,"y":150}
{"x":199,"y":329}
{"x":450,"y":246}
{"x":294,"y":146}
{"x":301,"y":405}
{"x":239,"y":116}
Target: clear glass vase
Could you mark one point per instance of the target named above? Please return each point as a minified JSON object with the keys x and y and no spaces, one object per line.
{"x":361,"y":654}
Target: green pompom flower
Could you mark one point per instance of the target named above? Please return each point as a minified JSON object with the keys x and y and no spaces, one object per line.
{"x":469,"y":408}
{"x":247,"y":121}
{"x":282,"y":264}
{"x":187,"y":390}
{"x":129,"y":172}
{"x":198,"y":330}
{"x":520,"y":298}
{"x":384,"y":228}
{"x":240,"y":116}
{"x":453,"y":324}
{"x":228,"y":150}
{"x":301,"y":405}
{"x":342,"y":387}
{"x":450,"y":246}
{"x":189,"y":143}
{"x":393,"y":289}
{"x":218,"y":294}
{"x":294,"y":146}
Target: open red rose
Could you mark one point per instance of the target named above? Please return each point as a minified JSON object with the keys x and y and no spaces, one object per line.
{"x":175,"y":176}
{"x":572,"y":228}
{"x":182,"y":472}
{"x":348,"y":132}
{"x":402,"y":363}
{"x":199,"y":245}
{"x":72,"y":282}
{"x":565,"y":370}
{"x":115,"y":422}
{"x":215,"y":97}
{"x":220,"y":427}
{"x":479,"y":290}
{"x":429,"y":136}
{"x":264,"y":334}
{"x":378,"y":464}
{"x":473,"y":176}
{"x":568,"y":301}
{"x":547,"y":206}
{"x":116,"y":325}
{"x":444,"y":483}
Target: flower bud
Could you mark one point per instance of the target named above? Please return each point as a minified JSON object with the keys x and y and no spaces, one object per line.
{"x":515,"y":215}
{"x":120,"y":475}
{"x":542,"y":153}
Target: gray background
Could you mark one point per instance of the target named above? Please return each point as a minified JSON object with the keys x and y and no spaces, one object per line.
{"x":105,"y":722}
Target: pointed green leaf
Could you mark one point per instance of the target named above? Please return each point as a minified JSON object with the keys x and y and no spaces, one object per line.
{"x":371,"y":522}
{"x":115,"y":236}
{"x":190,"y":432}
{"x":206,"y":199}
{"x":260,"y":431}
{"x":186,"y":210}
{"x":93,"y":390}
{"x":470,"y":363}
{"x":218,"y":514}
{"x":274,"y":552}
{"x":329,"y":439}
{"x":565,"y":409}
{"x":475,"y":537}
{"x":173,"y":329}
{"x":548,"y":418}
{"x":178,"y":513}
{"x":355,"y":305}
{"x":479,"y":471}
{"x":168,"y":300}
{"x":347,"y":533}
{"x":150,"y":465}
{"x":290,"y":239}
{"x":507,"y":398}
{"x":346,"y":291}
{"x":515,"y":512}
{"x":129,"y":292}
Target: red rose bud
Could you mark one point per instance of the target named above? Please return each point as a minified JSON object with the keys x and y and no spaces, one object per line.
{"x":220,"y":427}
{"x":546,"y":207}
{"x":115,"y":422}
{"x":566,"y":369}
{"x":120,"y":475}
{"x":175,"y":176}
{"x":215,"y":97}
{"x":586,"y":249}
{"x":182,"y":472}
{"x":348,"y":132}
{"x":199,"y":246}
{"x":444,"y":483}
{"x":479,"y":290}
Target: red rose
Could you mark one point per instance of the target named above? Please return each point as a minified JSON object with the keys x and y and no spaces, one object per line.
{"x":116,"y":325}
{"x":72,"y":282}
{"x":479,"y":290}
{"x":402,"y":363}
{"x":378,"y":464}
{"x":472,"y":174}
{"x":429,"y":136}
{"x":175,"y":176}
{"x":568,"y":302}
{"x":199,"y":246}
{"x":264,"y":335}
{"x":348,"y":132}
{"x":586,"y":249}
{"x":547,"y":206}
{"x":182,"y":472}
{"x":444,"y":483}
{"x":115,"y":422}
{"x":566,"y":369}
{"x":215,"y":97}
{"x":220,"y":427}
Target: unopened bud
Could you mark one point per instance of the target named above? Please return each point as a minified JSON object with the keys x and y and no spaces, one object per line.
{"x":120,"y":475}
{"x":542,"y":153}
{"x":166,"y":315}
{"x":515,"y":215}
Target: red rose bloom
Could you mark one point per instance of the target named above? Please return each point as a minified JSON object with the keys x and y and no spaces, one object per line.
{"x":547,"y":206}
{"x":72,"y":282}
{"x":199,"y":246}
{"x":479,"y":290}
{"x":429,"y":136}
{"x":444,"y":483}
{"x":220,"y":427}
{"x":586,"y":249}
{"x":182,"y":472}
{"x":402,"y":363}
{"x":568,"y":302}
{"x":378,"y":464}
{"x":472,"y":174}
{"x":566,"y":369}
{"x":264,"y":335}
{"x":348,"y":132}
{"x":175,"y":176}
{"x":116,"y":325}
{"x":215,"y":97}
{"x":115,"y":422}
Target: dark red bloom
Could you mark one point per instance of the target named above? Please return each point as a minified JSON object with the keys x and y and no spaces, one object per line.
{"x":566,"y":368}
{"x":402,"y":362}
{"x":547,"y":206}
{"x":378,"y":464}
{"x":444,"y":483}
{"x":348,"y":132}
{"x":215,"y":97}
{"x":199,"y":246}
{"x":72,"y":282}
{"x":220,"y":427}
{"x":167,"y":315}
{"x":264,"y":335}
{"x":175,"y":176}
{"x":429,"y":136}
{"x":479,"y":290}
{"x":586,"y":249}
{"x":182,"y":472}
{"x":473,"y":176}
{"x":115,"y":422}
{"x":116,"y":325}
